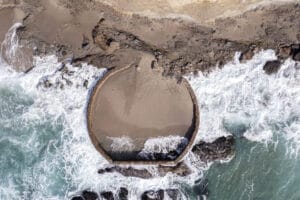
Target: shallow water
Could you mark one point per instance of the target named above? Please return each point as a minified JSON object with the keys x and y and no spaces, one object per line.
{"x":46,"y":152}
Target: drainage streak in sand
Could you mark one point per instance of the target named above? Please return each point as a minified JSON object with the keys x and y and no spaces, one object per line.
{"x":133,"y":107}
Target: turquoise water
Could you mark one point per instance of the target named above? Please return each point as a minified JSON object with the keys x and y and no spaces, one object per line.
{"x":45,"y":151}
{"x":263,"y":111}
{"x":257,"y":172}
{"x":28,"y":147}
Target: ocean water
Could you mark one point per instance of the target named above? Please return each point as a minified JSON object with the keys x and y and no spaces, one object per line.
{"x":263,"y":112}
{"x":46,"y":152}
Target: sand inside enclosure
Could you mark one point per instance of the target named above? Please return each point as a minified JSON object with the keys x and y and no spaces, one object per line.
{"x":135,"y":104}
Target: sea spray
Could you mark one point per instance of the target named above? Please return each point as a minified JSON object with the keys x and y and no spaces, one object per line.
{"x":263,"y":111}
{"x":48,"y":153}
{"x":59,"y":160}
{"x":242,"y":94}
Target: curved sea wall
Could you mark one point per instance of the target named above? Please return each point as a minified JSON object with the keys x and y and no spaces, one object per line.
{"x":145,"y":82}
{"x":249,"y":131}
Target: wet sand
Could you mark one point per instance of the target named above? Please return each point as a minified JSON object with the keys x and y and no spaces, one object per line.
{"x":137,"y":103}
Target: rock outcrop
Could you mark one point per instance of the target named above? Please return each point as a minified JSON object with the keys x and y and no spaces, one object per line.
{"x":93,"y":32}
{"x":219,"y":149}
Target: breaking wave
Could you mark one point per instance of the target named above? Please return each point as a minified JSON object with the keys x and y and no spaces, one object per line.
{"x":46,"y":150}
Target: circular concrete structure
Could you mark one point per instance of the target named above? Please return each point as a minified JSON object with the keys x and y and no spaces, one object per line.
{"x":137,"y":116}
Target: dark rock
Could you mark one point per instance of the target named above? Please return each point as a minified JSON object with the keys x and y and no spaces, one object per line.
{"x":153,"y":195}
{"x":219,"y":149}
{"x":128,"y":172}
{"x":174,"y":194}
{"x":201,"y":187}
{"x":181,"y":169}
{"x":123,"y":194}
{"x":297,"y":56}
{"x":272,"y":66}
{"x":85,"y":83}
{"x":89,"y":195}
{"x":77,"y":198}
{"x":296,"y":51}
{"x":284,"y":52}
{"x":246,"y":55}
{"x":47,"y":84}
{"x":107,"y":195}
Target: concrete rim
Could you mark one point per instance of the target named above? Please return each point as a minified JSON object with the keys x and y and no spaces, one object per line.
{"x":196,"y":122}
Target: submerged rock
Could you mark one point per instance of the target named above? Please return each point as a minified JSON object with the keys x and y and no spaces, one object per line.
{"x":153,"y":195}
{"x":272,"y":66}
{"x":89,"y":195}
{"x":174,"y":194}
{"x":107,"y":195}
{"x":123,"y":194}
{"x":201,"y":187}
{"x":219,"y":149}
{"x":77,"y":198}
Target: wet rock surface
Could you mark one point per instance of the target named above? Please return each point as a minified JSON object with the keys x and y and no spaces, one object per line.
{"x":181,"y":169}
{"x":89,"y":195}
{"x":129,"y":172}
{"x":219,"y":149}
{"x":86,"y":195}
{"x":272,"y":67}
{"x":201,"y":187}
{"x":123,"y":194}
{"x":173,"y":194}
{"x":107,"y":195}
{"x":153,"y":195}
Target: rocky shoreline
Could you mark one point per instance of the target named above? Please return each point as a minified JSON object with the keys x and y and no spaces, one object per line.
{"x":91,"y":32}
{"x":218,"y":150}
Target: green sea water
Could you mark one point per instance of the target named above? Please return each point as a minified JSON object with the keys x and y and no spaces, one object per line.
{"x":46,"y":153}
{"x":257,"y":172}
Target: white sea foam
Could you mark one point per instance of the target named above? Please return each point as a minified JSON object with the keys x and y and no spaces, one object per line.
{"x":242,"y":98}
{"x":163,"y":144}
{"x":238,"y":94}
{"x":60,"y":98}
{"x":122,"y":143}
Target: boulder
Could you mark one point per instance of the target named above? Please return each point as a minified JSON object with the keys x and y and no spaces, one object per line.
{"x":174,"y":194}
{"x":181,"y":169}
{"x":219,"y":149}
{"x":297,"y":56}
{"x":123,"y":194}
{"x":107,"y":195}
{"x":272,"y":66}
{"x":128,"y":172}
{"x":89,"y":195}
{"x":201,"y":187}
{"x":153,"y":195}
